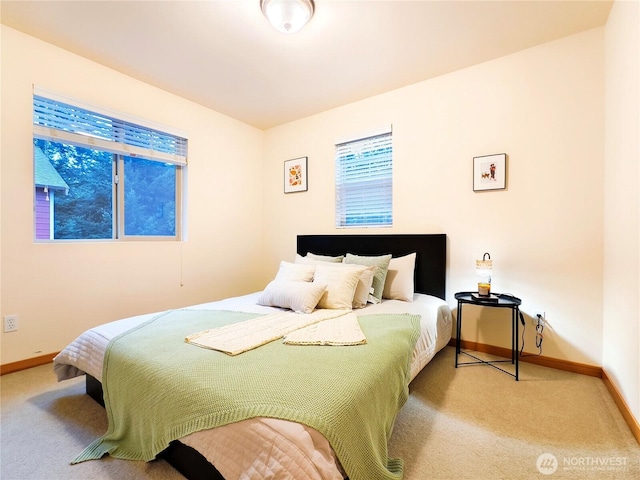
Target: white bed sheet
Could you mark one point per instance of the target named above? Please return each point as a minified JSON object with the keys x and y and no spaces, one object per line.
{"x":261,"y":448}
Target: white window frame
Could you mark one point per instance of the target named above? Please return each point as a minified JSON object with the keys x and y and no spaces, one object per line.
{"x":123,"y":136}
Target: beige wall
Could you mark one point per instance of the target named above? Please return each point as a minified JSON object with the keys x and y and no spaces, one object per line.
{"x":544,"y":107}
{"x":621,"y":332}
{"x":564,"y":236}
{"x":59,"y":290}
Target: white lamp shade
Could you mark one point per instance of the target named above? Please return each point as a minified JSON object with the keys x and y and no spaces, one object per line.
{"x":484,"y":266}
{"x":287,"y":16}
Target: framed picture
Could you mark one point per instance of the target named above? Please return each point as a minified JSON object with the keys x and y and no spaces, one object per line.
{"x":490,"y":172}
{"x":295,"y":175}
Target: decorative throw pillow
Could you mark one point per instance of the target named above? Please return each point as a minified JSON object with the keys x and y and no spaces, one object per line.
{"x":363,"y":289}
{"x":301,"y":297}
{"x":341,"y":285}
{"x":295,"y":272}
{"x":382,"y":262}
{"x":400,"y":277}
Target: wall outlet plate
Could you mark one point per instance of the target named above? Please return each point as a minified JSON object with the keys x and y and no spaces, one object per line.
{"x":539,"y":314}
{"x":10,"y":323}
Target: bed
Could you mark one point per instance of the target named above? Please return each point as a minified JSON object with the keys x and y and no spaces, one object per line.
{"x":270,"y":447}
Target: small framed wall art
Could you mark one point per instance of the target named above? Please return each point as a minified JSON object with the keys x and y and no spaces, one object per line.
{"x":490,"y":172}
{"x":295,"y":175}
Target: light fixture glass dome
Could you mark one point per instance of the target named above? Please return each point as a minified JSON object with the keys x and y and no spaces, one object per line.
{"x":287,"y":16}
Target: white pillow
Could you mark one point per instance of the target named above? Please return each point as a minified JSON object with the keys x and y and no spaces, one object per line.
{"x":300,"y":260}
{"x":399,"y":283}
{"x":295,"y":272}
{"x":340,"y":284}
{"x":301,"y":297}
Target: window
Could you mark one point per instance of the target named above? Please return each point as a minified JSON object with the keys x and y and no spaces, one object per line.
{"x":364,"y":181}
{"x":100,"y":177}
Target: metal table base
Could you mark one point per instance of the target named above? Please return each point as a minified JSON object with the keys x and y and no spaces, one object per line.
{"x":504,"y":301}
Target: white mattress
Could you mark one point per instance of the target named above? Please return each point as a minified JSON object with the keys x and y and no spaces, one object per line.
{"x":261,"y":448}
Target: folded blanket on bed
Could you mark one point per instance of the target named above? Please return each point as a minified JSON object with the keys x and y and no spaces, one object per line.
{"x":341,"y":331}
{"x":238,"y":338}
{"x":157,"y":388}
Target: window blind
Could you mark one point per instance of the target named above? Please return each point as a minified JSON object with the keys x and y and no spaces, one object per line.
{"x":65,"y":123}
{"x":364,"y":180}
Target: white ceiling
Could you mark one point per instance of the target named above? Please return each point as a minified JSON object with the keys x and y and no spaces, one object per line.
{"x":224,"y":54}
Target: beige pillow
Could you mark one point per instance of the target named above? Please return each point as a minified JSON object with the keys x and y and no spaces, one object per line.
{"x":400,"y":276}
{"x":340,"y":284}
{"x":364,"y":287}
{"x":295,"y":272}
{"x":382,"y":262}
{"x":301,"y":297}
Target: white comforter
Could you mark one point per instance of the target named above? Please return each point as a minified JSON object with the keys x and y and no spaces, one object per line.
{"x":264,"y":447}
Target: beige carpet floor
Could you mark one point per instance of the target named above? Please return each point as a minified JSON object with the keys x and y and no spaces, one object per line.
{"x":477,"y":423}
{"x":468,"y":423}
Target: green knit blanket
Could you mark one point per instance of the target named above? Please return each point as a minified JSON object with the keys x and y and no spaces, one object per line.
{"x":157,"y":388}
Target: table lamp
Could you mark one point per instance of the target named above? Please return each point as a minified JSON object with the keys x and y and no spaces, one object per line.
{"x":483,"y":272}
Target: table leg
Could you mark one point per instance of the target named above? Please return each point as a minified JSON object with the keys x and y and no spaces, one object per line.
{"x":458,"y":330}
{"x":514,"y":326}
{"x":516,"y":312}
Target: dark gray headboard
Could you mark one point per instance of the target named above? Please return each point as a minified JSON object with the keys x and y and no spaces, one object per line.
{"x":431,"y":253}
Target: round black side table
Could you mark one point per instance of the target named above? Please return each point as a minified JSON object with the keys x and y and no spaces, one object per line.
{"x":496,"y":300}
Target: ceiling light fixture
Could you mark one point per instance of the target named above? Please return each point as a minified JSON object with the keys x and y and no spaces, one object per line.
{"x":287,"y":16}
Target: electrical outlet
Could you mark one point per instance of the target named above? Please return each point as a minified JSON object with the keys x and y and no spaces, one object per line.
{"x":538,"y":315}
{"x":10,"y":323}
